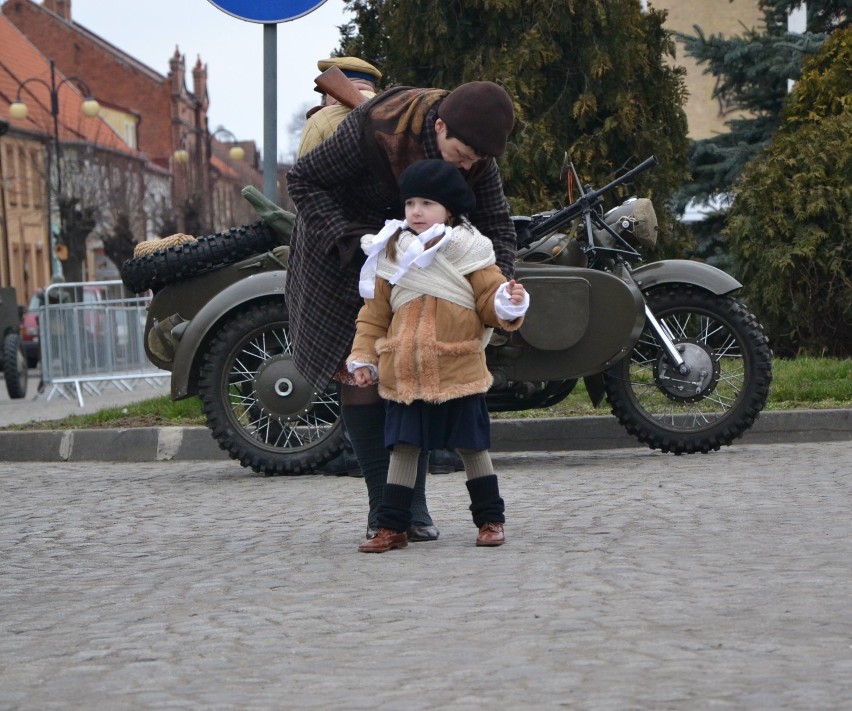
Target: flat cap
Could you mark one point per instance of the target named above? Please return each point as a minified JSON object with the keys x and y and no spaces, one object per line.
{"x":480,"y":114}
{"x":352,"y":67}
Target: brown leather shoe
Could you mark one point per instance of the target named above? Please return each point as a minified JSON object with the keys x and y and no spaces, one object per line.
{"x":384,"y":540}
{"x":491,"y":534}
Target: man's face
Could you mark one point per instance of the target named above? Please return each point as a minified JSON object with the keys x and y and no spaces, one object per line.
{"x":453,"y":150}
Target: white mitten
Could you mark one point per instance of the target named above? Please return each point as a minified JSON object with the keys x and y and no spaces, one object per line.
{"x":367,"y":242}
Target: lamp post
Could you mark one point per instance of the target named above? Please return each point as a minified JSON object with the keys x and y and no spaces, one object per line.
{"x":236,"y":152}
{"x":18,"y":110}
{"x":193,"y":158}
{"x":188,"y":186}
{"x":7,"y":268}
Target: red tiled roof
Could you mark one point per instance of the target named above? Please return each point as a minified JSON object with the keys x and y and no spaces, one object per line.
{"x":21,"y":62}
{"x":224,"y":169}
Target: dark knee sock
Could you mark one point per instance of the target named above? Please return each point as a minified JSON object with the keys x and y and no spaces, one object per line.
{"x":395,"y":511}
{"x":419,"y":510}
{"x":366,"y":427}
{"x":485,"y":502}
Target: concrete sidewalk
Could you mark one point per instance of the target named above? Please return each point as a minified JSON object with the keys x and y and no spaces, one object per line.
{"x":631,"y":581}
{"x":55,"y":404}
{"x":152,"y":444}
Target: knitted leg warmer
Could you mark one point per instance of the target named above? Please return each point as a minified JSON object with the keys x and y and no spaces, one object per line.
{"x":395,"y":511}
{"x":485,"y":502}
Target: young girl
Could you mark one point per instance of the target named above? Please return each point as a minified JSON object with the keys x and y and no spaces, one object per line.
{"x":431,"y":288}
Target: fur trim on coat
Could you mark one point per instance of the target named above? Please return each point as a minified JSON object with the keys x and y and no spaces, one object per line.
{"x":430,"y":349}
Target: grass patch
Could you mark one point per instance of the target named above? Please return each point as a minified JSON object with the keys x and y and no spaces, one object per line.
{"x":818,"y":383}
{"x":802,"y":383}
{"x":156,"y":412}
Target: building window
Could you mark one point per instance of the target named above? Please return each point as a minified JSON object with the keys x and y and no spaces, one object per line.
{"x":130,"y":134}
{"x":37,"y":189}
{"x":24,"y":177}
{"x":14,"y":179}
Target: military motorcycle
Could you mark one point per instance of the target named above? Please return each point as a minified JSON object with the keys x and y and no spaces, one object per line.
{"x":684,"y":366}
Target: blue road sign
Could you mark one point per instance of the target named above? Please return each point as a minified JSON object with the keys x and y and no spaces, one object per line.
{"x":267,"y":11}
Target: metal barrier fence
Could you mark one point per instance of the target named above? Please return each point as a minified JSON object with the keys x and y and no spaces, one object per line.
{"x":92,"y":337}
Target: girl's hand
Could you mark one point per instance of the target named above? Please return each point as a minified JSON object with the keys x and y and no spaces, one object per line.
{"x":516,"y":292}
{"x":363,"y":377}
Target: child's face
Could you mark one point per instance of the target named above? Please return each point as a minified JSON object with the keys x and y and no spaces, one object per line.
{"x":421,"y":214}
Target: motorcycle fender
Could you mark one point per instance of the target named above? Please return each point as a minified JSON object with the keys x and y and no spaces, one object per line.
{"x":684,"y":271}
{"x":199,"y":329}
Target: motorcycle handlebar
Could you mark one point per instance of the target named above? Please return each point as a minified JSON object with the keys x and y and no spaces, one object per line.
{"x":575,"y":209}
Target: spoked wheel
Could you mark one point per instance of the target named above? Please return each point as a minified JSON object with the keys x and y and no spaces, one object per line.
{"x":729,"y":364}
{"x":258,"y":406}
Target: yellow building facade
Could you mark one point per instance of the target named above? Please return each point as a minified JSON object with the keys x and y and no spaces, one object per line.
{"x":706,"y":115}
{"x":25,"y":260}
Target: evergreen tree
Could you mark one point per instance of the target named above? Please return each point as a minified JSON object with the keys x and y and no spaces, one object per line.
{"x":588,"y":79}
{"x":790,"y":226}
{"x":752,"y":72}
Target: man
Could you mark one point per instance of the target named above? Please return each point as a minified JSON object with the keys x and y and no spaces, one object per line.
{"x":324,"y":119}
{"x":322,"y":122}
{"x":347,"y":187}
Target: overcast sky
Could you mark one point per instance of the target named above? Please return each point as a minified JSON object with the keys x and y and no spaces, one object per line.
{"x":232,"y":50}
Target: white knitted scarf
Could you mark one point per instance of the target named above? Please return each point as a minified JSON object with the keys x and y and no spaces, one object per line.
{"x":439,"y":271}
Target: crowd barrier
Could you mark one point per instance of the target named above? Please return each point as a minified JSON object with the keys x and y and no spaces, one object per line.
{"x":92,"y":338}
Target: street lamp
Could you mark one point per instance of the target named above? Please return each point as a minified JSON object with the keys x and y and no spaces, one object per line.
{"x":237,"y":152}
{"x":193,"y":167}
{"x":7,"y":268}
{"x":18,"y":110}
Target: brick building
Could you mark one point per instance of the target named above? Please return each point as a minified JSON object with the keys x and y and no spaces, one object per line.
{"x":158,"y":117}
{"x":29,"y":181}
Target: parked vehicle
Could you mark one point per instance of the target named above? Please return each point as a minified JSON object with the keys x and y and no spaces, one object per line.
{"x":12,"y":358}
{"x":29,"y":329}
{"x":684,"y":366}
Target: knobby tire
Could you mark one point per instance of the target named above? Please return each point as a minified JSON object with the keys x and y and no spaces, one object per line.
{"x":191,"y":259}
{"x":733,"y":341}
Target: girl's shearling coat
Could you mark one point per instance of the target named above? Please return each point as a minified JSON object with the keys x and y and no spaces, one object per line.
{"x":430,"y":349}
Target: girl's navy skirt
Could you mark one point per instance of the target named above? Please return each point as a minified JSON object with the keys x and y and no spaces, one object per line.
{"x":462,"y":423}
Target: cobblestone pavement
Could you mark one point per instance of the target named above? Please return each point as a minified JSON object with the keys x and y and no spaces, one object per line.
{"x":631,"y":580}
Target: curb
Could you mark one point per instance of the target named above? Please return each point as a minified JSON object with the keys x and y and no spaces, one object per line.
{"x":158,"y":444}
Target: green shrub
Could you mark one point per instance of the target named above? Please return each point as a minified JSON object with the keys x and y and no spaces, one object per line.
{"x":790,"y":228}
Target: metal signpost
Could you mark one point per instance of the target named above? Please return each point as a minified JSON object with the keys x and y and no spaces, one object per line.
{"x":269,"y":12}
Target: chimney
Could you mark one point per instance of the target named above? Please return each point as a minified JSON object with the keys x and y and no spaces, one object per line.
{"x":59,"y":7}
{"x":177,"y":72}
{"x":199,"y":82}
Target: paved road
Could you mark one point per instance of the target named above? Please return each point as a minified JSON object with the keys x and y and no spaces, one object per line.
{"x":632,"y":580}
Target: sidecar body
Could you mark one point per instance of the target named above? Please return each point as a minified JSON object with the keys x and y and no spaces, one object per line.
{"x":580,"y":322}
{"x":185,"y":315}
